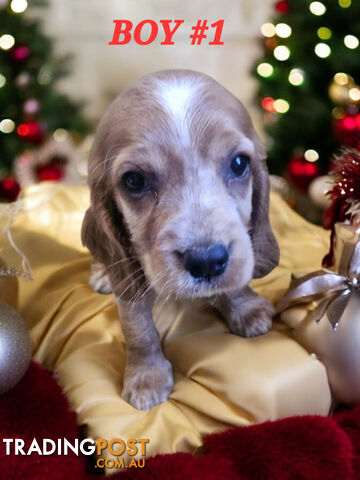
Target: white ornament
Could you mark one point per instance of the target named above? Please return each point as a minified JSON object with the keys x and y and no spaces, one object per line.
{"x":318,"y":188}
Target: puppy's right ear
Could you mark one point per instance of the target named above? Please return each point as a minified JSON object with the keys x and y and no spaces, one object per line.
{"x":104,"y":233}
{"x":94,"y":238}
{"x":265,"y":247}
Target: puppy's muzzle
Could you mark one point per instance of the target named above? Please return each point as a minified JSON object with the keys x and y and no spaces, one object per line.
{"x":204,"y":263}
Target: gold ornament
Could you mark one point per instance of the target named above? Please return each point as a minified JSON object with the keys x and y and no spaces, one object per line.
{"x":343,"y":90}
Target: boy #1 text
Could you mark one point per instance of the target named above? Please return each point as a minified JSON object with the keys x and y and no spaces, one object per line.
{"x":147,"y":31}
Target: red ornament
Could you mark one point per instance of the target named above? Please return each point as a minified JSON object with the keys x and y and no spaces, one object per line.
{"x":31,"y":132}
{"x":347,"y":130}
{"x":267,"y":104}
{"x":282,"y":7}
{"x":52,"y":172}
{"x":9,"y":188}
{"x":301,"y":173}
{"x":20,"y":53}
{"x":271,"y":43}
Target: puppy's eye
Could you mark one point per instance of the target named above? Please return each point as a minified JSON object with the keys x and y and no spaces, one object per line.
{"x":240,"y":165}
{"x":134,"y":182}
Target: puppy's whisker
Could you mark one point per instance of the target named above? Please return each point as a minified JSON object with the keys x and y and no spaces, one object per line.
{"x":159,"y":277}
{"x":106,"y":171}
{"x":130,"y":278}
{"x":151,"y":285}
{"x":92,"y":171}
{"x":130,"y":260}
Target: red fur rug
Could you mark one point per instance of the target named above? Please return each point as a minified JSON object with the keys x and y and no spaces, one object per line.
{"x":308,"y":447}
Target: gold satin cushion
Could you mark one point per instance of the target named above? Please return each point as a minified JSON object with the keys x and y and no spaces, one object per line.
{"x":221,"y":380}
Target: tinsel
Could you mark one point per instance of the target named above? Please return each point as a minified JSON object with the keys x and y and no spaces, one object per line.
{"x":60,"y":158}
{"x":345,"y":195}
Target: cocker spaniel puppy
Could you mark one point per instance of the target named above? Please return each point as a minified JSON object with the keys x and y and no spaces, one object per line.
{"x":179,"y":207}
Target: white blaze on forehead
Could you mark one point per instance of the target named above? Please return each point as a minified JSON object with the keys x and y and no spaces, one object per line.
{"x":176,"y":96}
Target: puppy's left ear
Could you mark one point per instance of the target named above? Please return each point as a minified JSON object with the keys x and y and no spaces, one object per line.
{"x":265,"y":247}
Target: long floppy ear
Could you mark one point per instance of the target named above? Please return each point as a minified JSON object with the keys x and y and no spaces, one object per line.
{"x":106,"y":236}
{"x":265,"y":247}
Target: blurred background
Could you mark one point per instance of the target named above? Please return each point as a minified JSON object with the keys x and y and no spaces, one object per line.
{"x":99,"y":71}
{"x":295,"y":64}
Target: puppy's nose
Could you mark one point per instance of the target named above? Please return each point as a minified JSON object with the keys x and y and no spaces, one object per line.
{"x":204,"y":262}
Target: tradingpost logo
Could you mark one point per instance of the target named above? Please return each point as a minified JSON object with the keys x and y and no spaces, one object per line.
{"x":124,"y":453}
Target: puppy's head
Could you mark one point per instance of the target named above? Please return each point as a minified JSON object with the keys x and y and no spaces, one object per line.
{"x":179,"y":189}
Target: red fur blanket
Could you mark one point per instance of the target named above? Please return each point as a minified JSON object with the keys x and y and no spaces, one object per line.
{"x":309,"y":447}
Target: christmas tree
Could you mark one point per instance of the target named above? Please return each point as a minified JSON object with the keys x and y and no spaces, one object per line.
{"x":31,"y":107}
{"x":309,"y":80}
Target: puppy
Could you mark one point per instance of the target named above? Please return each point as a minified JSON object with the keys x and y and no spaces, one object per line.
{"x":179,"y":208}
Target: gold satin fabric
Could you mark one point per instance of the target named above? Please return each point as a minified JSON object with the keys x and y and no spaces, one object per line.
{"x":221,"y":380}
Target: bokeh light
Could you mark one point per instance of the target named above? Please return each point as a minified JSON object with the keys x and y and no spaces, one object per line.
{"x":354,"y":94}
{"x":311,"y":155}
{"x":268,"y":30}
{"x":6,"y":41}
{"x":338,"y":112}
{"x":341,"y":78}
{"x":7,"y":125}
{"x":317,"y":8}
{"x":265,"y":69}
{"x":18,"y":6}
{"x":267,"y":104}
{"x":281,"y":53}
{"x":281,"y":105}
{"x":283,"y":30}
{"x":296,"y":76}
{"x":60,"y":135}
{"x":351,"y":41}
{"x":324,"y":33}
{"x":322,"y":50}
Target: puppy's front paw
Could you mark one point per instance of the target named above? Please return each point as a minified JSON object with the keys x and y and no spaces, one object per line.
{"x":252,"y":318}
{"x":146,"y":385}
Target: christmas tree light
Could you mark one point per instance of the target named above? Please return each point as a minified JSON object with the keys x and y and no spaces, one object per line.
{"x":7,"y":125}
{"x":322,"y":50}
{"x":351,"y":41}
{"x":283,"y":30}
{"x":345,"y":3}
{"x":265,"y":69}
{"x":324,"y":33}
{"x":281,"y":105}
{"x":18,"y":6}
{"x":268,"y":30}
{"x":6,"y":41}
{"x":281,"y":53}
{"x":317,"y":8}
{"x":311,"y":155}
{"x":354,"y":94}
{"x":316,"y":70}
{"x":31,"y":108}
{"x":296,"y":76}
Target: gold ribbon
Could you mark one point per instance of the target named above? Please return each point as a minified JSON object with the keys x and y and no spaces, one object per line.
{"x":331,"y":290}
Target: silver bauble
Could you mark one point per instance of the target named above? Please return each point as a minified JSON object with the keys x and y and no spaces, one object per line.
{"x":338,"y":350}
{"x":15,"y":347}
